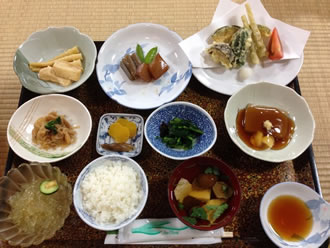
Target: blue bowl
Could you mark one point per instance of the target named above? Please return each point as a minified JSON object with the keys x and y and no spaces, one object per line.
{"x":187,"y":111}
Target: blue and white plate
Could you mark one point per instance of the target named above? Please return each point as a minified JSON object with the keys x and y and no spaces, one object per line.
{"x":137,"y":94}
{"x":319,"y":208}
{"x":104,"y":138}
{"x":187,"y":111}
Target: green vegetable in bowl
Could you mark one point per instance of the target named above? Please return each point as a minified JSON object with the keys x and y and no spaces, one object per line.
{"x":179,"y":134}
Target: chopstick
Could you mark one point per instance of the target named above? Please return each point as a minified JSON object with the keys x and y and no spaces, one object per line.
{"x":227,"y":235}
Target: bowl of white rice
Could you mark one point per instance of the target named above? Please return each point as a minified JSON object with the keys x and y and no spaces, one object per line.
{"x":110,"y":192}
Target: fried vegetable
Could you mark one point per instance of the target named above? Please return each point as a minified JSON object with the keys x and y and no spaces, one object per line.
{"x":252,"y":55}
{"x":256,"y":35}
{"x":264,"y":31}
{"x":240,"y":44}
{"x":224,"y":34}
{"x":222,"y":53}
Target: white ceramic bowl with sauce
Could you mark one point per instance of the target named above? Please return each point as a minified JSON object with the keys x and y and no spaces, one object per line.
{"x":318,"y":207}
{"x":280,"y":97}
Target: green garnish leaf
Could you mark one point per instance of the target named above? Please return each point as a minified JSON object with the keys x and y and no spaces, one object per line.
{"x":51,"y":125}
{"x":180,"y":206}
{"x":212,"y":170}
{"x":224,"y":188}
{"x":151,"y":55}
{"x":219,"y":210}
{"x":208,"y":170}
{"x":139,"y":52}
{"x":216,"y":171}
{"x":211,"y":207}
{"x":199,"y":212}
{"x":191,"y":220}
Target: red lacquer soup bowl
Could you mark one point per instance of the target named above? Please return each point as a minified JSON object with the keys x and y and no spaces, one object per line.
{"x":189,"y":170}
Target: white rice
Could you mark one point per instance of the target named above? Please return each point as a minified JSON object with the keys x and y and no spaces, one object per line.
{"x":111,"y":192}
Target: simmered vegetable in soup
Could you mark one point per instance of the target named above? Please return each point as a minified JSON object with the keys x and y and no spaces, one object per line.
{"x":205,"y":198}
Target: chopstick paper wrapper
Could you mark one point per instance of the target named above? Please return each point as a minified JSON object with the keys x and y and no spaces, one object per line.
{"x":163,"y":231}
{"x":228,"y":13}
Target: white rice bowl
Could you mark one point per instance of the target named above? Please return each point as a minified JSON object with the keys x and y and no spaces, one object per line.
{"x":110,"y":192}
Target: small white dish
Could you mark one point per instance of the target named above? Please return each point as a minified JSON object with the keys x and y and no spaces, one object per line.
{"x":319,"y":208}
{"x":45,"y":44}
{"x":227,"y":81}
{"x":78,"y":200}
{"x":103,"y":137}
{"x":20,"y":126}
{"x":137,"y":94}
{"x":186,"y":111}
{"x":281,"y":97}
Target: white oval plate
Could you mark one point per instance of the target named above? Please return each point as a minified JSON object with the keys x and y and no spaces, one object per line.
{"x":137,"y":94}
{"x":46,"y":44}
{"x":281,"y":97}
{"x":19,"y":131}
{"x":319,"y":208}
{"x":227,"y":82}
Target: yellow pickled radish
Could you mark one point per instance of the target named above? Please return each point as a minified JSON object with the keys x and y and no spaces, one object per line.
{"x":119,"y":132}
{"x":130,"y":125}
